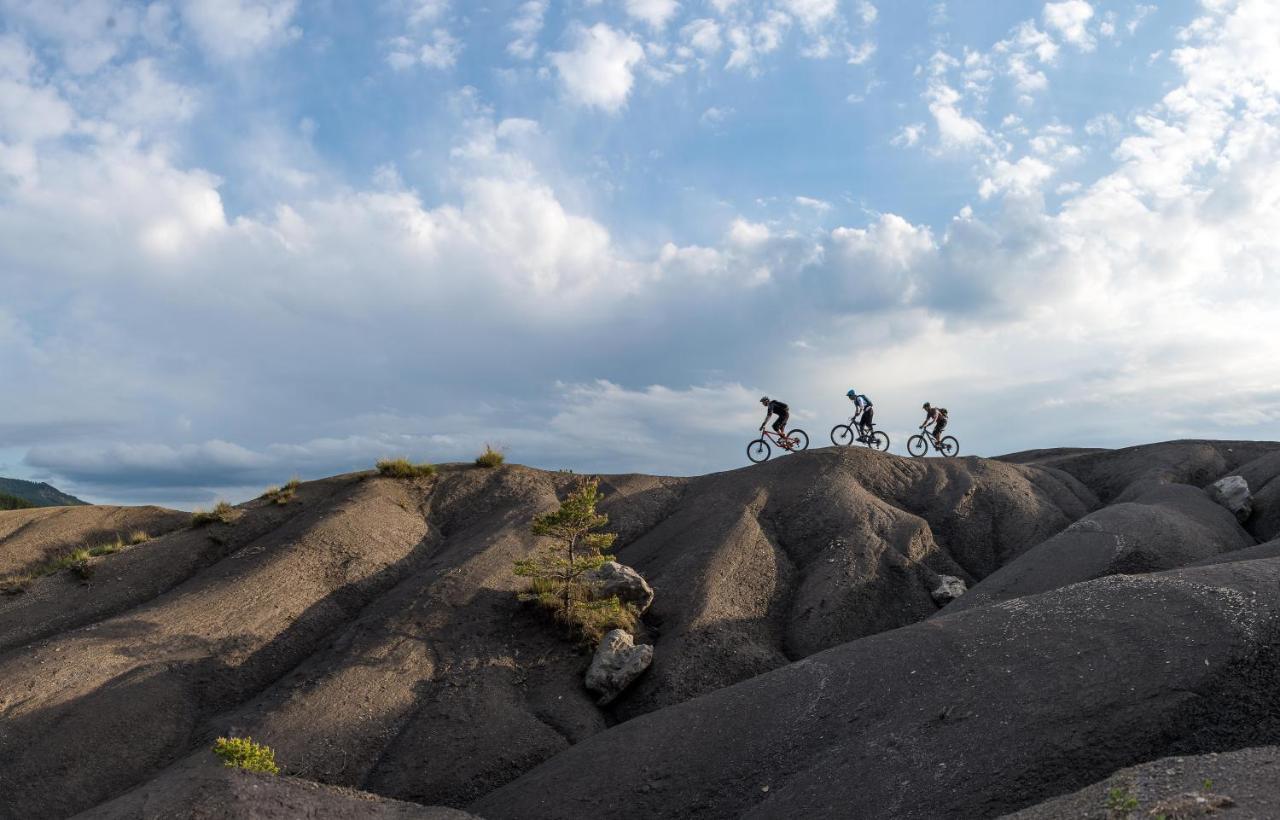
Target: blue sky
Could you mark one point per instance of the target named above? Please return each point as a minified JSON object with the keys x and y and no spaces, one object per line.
{"x":246,"y":239}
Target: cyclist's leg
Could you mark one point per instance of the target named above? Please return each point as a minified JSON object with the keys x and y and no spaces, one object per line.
{"x":868,"y":420}
{"x":937,"y":430}
{"x":780,"y":426}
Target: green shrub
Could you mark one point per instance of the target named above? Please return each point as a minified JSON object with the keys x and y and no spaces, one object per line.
{"x":402,"y":468}
{"x":243,"y":753}
{"x":1121,"y":802}
{"x":555,"y":572}
{"x":282,"y":495}
{"x":490,"y":458}
{"x":222,"y":513}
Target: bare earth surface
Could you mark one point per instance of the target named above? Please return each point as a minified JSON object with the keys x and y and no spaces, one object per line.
{"x":369,"y":632}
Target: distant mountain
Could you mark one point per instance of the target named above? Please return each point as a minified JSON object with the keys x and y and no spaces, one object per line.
{"x":40,"y":495}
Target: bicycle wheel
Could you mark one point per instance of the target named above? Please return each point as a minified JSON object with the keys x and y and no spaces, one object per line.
{"x":878,"y":441}
{"x":917,"y":446}
{"x":950,"y":446}
{"x":758,"y":450}
{"x":802,"y":439}
{"x":842,"y":435}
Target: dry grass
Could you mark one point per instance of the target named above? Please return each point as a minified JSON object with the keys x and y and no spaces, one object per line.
{"x":490,"y":458}
{"x":590,"y":619}
{"x":403,"y":468}
{"x":77,"y":561}
{"x":222,"y":513}
{"x":282,"y":495}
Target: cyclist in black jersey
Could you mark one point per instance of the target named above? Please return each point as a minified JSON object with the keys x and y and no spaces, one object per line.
{"x":774,"y":407}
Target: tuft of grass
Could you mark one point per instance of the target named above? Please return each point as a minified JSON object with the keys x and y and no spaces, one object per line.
{"x":243,"y":753}
{"x":15,"y":584}
{"x":282,"y":495}
{"x":1121,"y":802}
{"x":222,"y":513}
{"x":403,"y":468}
{"x":490,"y":458}
{"x":138,"y":537}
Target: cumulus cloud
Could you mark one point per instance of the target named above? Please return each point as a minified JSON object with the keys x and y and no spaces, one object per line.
{"x":237,"y":29}
{"x":600,"y":69}
{"x":320,"y":329}
{"x":657,"y":13}
{"x":1070,"y":19}
{"x":527,"y":25}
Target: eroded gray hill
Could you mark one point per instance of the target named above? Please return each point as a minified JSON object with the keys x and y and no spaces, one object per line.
{"x":369,"y":632}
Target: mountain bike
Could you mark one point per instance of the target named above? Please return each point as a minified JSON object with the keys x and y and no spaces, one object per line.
{"x":918,"y":445}
{"x":843,"y":435}
{"x":793,"y":442}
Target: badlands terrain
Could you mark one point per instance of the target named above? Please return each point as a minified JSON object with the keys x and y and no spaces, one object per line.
{"x":1115,"y":654}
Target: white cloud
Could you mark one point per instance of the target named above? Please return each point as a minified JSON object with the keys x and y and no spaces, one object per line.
{"x":749,"y":42}
{"x":812,"y":14}
{"x":867,"y":12}
{"x":654,"y":12}
{"x":238,"y":29}
{"x":702,"y":35}
{"x":715,"y":115}
{"x":812,"y":204}
{"x":1070,"y":19}
{"x":862,"y":53}
{"x":1021,"y":178}
{"x":440,"y":50}
{"x":527,"y":25}
{"x":909,"y":135}
{"x":599,"y":71}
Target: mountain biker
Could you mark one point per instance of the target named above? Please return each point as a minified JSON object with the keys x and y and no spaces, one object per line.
{"x":775,"y":407}
{"x":864,"y":412}
{"x":937,"y":415}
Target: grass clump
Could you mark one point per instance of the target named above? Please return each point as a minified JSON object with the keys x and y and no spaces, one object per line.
{"x":556,"y":574}
{"x":490,"y":458}
{"x":77,"y":562}
{"x":243,"y":753}
{"x":282,"y":495}
{"x":403,"y":468}
{"x":1121,"y":802}
{"x":222,"y":513}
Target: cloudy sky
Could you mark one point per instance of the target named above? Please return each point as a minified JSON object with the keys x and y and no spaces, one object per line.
{"x":247,"y":239}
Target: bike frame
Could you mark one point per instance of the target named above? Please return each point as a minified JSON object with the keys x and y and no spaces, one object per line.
{"x":773,"y":434}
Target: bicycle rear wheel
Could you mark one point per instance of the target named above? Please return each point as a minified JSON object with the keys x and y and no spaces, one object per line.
{"x":842,"y":435}
{"x":878,"y":441}
{"x":801,"y":438}
{"x":758,"y":450}
{"x":950,"y":447}
{"x":917,"y":446}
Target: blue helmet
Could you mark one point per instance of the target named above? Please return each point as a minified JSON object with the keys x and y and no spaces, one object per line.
{"x":852,"y":393}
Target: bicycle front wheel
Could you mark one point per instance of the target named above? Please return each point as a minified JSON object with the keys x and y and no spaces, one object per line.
{"x":801,"y":438}
{"x":878,"y":441}
{"x":917,"y":446}
{"x":758,"y":451}
{"x":842,"y":435}
{"x":950,"y":447}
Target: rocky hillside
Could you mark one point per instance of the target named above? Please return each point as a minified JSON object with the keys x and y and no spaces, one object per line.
{"x":815,"y":651}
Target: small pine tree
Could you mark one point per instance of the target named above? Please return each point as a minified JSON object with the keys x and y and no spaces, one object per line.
{"x":576,"y":548}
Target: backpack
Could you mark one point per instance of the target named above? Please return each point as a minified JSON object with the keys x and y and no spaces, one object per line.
{"x":866,"y":401}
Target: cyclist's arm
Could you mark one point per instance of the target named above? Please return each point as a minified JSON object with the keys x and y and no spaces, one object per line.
{"x":768,"y":414}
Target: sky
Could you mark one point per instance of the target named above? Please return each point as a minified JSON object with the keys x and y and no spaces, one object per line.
{"x":244,"y":240}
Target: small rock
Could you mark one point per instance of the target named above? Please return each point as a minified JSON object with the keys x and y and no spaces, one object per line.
{"x":617,"y":662}
{"x":949,"y":588}
{"x":621,"y":580}
{"x":1233,"y":493}
{"x":1191,"y":804}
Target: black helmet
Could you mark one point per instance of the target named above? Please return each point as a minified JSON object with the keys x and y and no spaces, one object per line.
{"x":926,"y":405}
{"x":764,"y":399}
